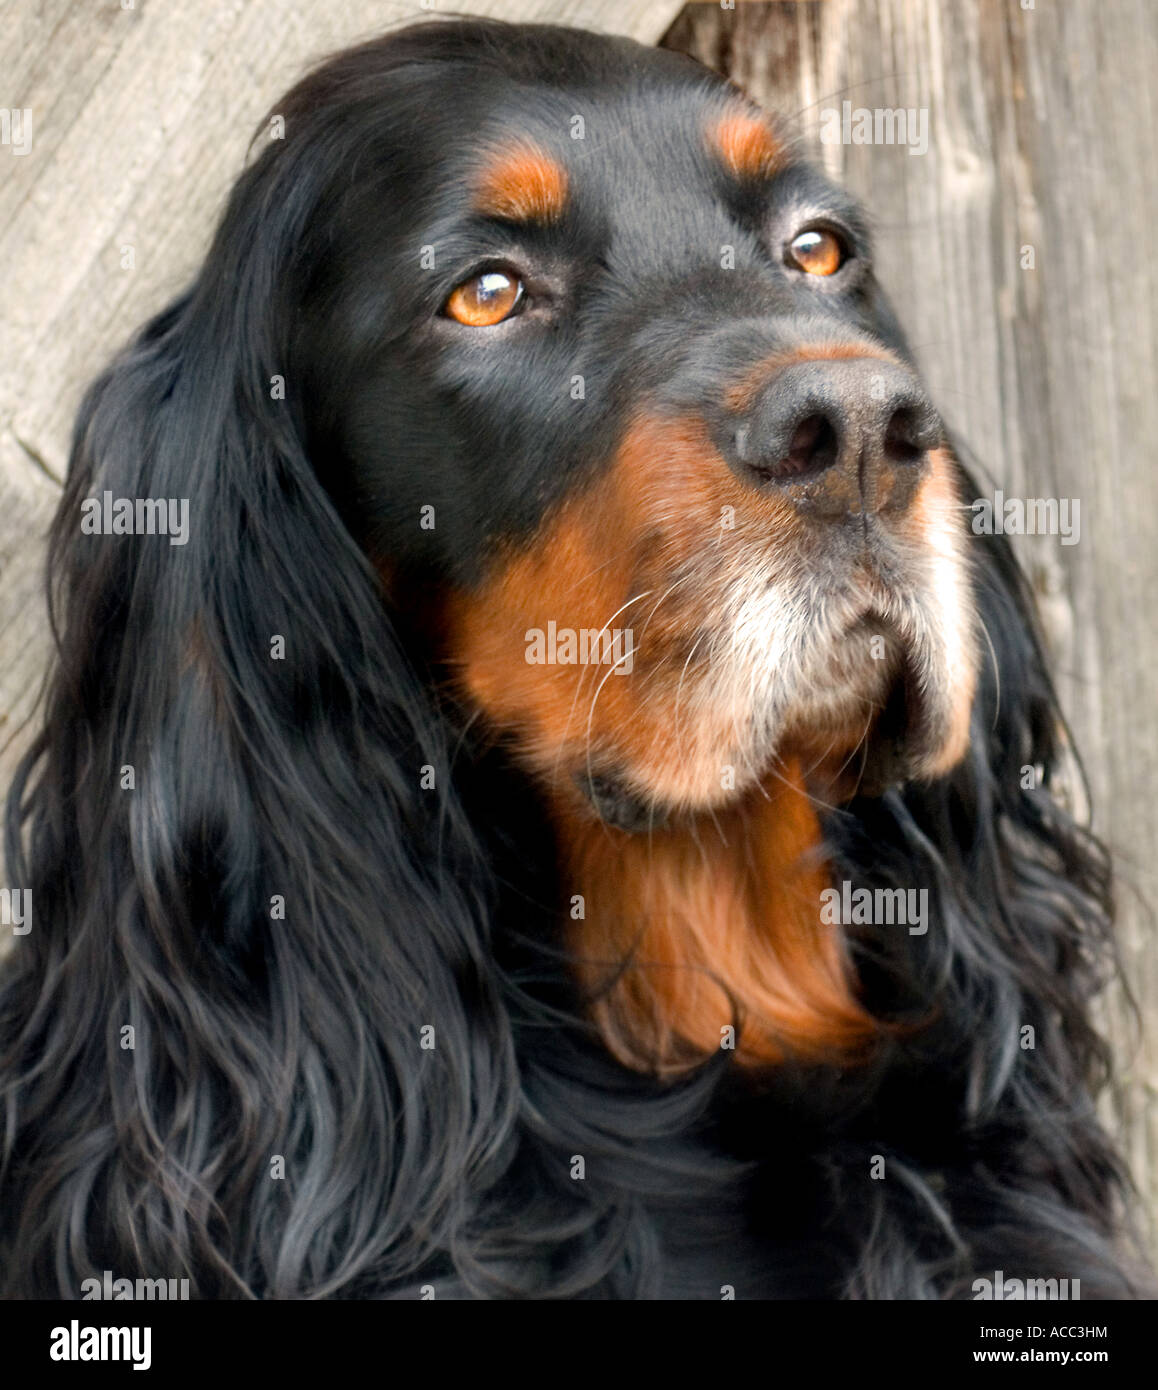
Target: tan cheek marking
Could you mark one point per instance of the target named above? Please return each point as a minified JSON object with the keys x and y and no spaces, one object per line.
{"x":573,"y":574}
{"x":522,"y":184}
{"x":654,"y":514}
{"x":747,"y":146}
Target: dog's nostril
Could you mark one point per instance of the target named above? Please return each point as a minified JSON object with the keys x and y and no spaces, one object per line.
{"x":807,"y":433}
{"x":906,"y":437}
{"x":811,"y":449}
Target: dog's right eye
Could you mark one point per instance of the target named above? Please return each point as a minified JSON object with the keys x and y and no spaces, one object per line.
{"x":817,"y":252}
{"x":485,"y":299}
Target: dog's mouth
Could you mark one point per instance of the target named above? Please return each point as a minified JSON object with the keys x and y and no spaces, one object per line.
{"x":890,"y":731}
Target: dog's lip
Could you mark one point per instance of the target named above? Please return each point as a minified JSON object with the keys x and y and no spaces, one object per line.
{"x":899,"y":739}
{"x":611,"y":797}
{"x":888,"y":754}
{"x":902,"y":736}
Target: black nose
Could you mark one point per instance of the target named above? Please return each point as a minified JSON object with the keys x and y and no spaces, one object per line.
{"x":840,"y":437}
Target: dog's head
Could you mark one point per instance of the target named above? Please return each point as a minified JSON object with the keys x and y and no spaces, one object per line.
{"x":583,"y":332}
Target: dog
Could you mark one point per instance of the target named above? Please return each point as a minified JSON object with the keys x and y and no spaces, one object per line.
{"x":541,"y":792}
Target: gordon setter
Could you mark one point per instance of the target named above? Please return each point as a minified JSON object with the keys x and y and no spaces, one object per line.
{"x":532,"y":798}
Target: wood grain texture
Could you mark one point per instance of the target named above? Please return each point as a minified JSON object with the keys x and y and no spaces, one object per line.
{"x":1041,"y":133}
{"x":141,"y":114}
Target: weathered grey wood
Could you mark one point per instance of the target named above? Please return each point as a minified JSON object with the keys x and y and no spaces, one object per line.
{"x":1042,"y":133}
{"x":141,"y":114}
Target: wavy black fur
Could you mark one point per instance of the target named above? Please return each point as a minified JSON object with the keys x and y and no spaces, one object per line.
{"x":301,"y":778}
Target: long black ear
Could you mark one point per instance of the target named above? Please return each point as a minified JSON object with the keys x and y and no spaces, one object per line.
{"x":246,"y":906}
{"x":1019,"y":941}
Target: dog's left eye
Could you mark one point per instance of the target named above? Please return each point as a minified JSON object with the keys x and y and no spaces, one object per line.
{"x":485,"y":299}
{"x":818,"y":252}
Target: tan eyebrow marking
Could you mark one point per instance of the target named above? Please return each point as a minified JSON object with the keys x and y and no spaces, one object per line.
{"x":747,"y":145}
{"x":522,"y":183}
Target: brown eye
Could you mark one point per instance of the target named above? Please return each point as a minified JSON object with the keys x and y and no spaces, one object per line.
{"x":485,"y":299}
{"x":817,"y":252}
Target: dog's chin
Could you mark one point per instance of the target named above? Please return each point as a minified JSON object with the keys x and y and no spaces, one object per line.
{"x":898,"y":746}
{"x":893,"y":719}
{"x":906,"y":726}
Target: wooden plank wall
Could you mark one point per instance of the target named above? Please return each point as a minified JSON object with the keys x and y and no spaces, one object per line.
{"x":1042,"y":133}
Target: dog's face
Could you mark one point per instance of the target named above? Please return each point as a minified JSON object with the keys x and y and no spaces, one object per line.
{"x":593,"y":340}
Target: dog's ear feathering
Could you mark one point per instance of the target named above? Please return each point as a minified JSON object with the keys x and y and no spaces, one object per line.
{"x":283,"y":1026}
{"x":272,"y":908}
